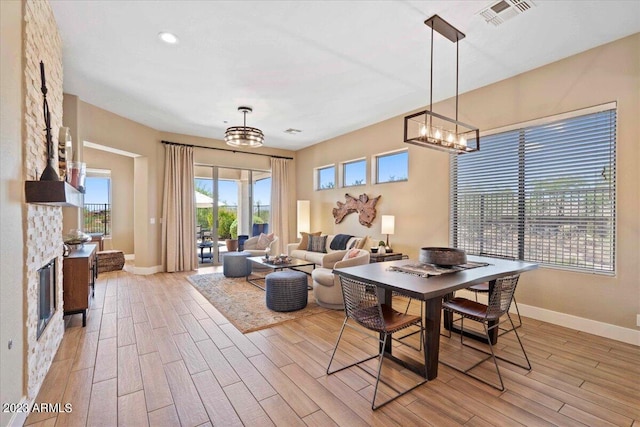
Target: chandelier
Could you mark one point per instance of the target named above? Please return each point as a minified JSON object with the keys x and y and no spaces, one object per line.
{"x":432,"y":130}
{"x":244,"y":136}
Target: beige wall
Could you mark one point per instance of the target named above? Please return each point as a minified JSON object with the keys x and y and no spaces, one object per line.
{"x":421,"y":205}
{"x":122,"y":212}
{"x":11,"y":200}
{"x":104,"y":128}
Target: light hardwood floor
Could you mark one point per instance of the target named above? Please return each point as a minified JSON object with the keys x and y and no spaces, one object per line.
{"x":155,"y":352}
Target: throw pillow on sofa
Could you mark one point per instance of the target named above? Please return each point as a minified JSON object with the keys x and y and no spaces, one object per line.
{"x":304,"y":241}
{"x":358,"y":243}
{"x":352,"y":254}
{"x":317,"y":244}
{"x":264,"y":241}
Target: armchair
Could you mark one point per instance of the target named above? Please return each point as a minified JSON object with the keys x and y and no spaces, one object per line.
{"x":250,"y":245}
{"x":326,"y":286}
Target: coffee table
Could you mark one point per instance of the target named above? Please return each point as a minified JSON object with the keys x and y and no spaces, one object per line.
{"x":294,"y":264}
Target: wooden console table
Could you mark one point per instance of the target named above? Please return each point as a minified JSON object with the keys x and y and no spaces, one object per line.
{"x":79,"y":272}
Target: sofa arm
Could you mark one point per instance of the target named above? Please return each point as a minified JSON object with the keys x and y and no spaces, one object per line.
{"x":251,"y":243}
{"x":291,"y":247}
{"x":329,"y":260}
{"x":351,"y":262}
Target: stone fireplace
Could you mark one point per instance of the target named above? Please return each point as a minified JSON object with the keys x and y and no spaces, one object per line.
{"x":42,"y":223}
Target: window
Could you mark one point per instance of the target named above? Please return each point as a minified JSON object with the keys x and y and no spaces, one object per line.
{"x":325,"y":177}
{"x":392,"y":167}
{"x":544,"y":193}
{"x":354,"y":173}
{"x":97,"y":202}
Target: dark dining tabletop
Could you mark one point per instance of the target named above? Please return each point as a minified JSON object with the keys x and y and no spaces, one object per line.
{"x":431,"y":290}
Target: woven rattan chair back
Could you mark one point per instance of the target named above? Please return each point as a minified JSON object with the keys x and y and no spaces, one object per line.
{"x":361,"y":304}
{"x":500,"y":299}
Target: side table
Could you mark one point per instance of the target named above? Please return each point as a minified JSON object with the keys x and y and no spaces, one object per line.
{"x":392,"y":256}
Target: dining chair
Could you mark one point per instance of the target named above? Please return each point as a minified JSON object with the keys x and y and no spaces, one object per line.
{"x":483,"y":288}
{"x":411,"y":333}
{"x":499,"y":303}
{"x":362,"y":306}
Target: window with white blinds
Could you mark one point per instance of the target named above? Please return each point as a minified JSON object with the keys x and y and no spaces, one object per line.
{"x":544,"y":193}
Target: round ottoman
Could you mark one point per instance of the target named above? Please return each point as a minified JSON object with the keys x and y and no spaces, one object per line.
{"x":286,"y":290}
{"x":235,"y":264}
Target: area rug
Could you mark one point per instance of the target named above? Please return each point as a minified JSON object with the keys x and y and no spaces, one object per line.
{"x":244,"y":304}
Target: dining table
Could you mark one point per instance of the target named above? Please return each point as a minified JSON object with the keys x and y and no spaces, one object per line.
{"x":430,"y":284}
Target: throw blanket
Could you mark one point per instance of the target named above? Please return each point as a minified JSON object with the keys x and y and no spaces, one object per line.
{"x":340,"y":242}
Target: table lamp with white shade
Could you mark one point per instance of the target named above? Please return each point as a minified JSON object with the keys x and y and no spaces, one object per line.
{"x":388,"y":227}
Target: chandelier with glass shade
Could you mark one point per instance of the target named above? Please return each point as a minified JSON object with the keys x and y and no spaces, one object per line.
{"x":244,"y":136}
{"x":432,"y":130}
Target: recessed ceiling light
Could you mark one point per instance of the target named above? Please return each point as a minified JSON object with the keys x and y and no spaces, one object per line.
{"x":168,"y":37}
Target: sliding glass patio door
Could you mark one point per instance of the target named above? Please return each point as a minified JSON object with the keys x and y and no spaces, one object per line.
{"x":226,"y":214}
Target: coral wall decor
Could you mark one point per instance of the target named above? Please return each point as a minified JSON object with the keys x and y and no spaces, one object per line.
{"x":365,"y":207}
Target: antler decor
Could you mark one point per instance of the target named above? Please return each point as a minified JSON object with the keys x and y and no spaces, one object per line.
{"x":365,"y":207}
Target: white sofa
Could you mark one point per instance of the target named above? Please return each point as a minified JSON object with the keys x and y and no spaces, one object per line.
{"x":321,"y":259}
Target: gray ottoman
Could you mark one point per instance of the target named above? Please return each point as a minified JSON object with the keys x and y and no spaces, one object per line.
{"x":286,"y":290}
{"x":235,"y":264}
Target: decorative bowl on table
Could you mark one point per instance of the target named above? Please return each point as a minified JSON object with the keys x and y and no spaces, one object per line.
{"x":442,"y":256}
{"x":76,"y":237}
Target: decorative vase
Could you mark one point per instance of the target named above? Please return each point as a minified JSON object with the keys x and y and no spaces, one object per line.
{"x":381,"y":250}
{"x":232,"y":245}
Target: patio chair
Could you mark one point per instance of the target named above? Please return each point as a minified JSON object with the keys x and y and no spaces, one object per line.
{"x":499,"y":303}
{"x":361,"y":304}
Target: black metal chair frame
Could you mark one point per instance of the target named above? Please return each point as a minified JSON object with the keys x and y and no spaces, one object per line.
{"x":361,"y":304}
{"x":409,"y":334}
{"x":499,"y":303}
{"x":485,"y":290}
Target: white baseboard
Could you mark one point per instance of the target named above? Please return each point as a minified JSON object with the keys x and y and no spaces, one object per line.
{"x":594,"y":327}
{"x":19,"y":418}
{"x":143,"y":271}
{"x":606,"y":330}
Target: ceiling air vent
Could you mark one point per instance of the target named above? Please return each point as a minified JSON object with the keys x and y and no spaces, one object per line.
{"x":502,"y":10}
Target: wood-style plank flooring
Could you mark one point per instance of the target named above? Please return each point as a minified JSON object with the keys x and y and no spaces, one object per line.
{"x":155,"y":352}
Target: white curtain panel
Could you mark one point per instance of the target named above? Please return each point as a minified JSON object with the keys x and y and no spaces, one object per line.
{"x":178,"y":210}
{"x":280,"y":201}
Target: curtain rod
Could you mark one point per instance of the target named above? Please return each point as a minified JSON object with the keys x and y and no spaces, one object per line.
{"x":273,"y":156}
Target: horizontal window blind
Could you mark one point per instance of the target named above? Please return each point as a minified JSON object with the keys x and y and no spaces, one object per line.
{"x":544,"y":193}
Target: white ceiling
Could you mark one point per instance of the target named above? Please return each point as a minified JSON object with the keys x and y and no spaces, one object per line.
{"x":324,"y":67}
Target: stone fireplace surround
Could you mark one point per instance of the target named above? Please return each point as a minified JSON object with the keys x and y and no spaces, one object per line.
{"x":42,"y":224}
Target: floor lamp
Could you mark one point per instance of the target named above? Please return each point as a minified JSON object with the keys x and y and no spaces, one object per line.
{"x":304,"y":217}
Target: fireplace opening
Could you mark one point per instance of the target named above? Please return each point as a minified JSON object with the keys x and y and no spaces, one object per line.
{"x":46,"y":295}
